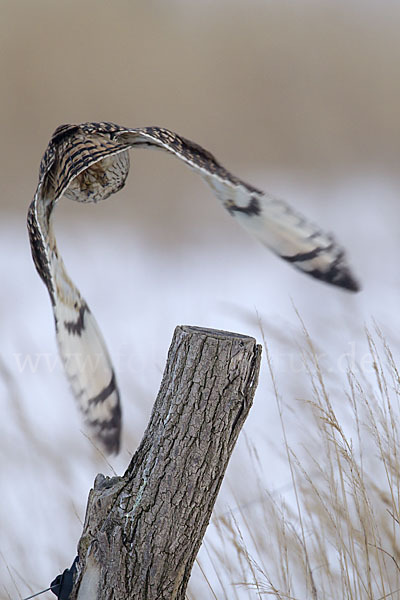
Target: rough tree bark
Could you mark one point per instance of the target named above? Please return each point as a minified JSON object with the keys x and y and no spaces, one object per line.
{"x":142,"y":531}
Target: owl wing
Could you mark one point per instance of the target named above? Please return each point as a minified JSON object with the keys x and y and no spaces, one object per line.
{"x":270,"y":220}
{"x":70,"y":154}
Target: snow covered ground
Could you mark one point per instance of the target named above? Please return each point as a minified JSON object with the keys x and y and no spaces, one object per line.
{"x":139,"y":291}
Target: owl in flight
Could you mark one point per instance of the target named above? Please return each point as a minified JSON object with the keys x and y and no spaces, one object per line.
{"x":88,"y":163}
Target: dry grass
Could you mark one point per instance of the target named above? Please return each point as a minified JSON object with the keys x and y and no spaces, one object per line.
{"x":337,"y":535}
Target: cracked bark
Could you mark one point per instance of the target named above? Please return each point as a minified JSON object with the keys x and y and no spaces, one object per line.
{"x":142,"y":531}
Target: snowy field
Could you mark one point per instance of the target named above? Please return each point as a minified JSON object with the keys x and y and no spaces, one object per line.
{"x":139,"y":290}
{"x":301,"y":99}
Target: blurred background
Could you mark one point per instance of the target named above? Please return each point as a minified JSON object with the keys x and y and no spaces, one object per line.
{"x":298,"y":98}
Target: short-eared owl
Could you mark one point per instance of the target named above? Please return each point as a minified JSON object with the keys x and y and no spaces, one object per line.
{"x":88,"y":163}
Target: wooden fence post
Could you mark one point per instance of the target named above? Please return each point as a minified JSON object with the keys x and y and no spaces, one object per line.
{"x":142,"y":531}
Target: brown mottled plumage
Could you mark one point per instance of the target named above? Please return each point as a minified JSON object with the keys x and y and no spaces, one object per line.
{"x":88,"y":163}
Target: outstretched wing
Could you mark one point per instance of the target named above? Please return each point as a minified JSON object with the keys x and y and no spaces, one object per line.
{"x":272,"y":221}
{"x":76,"y":165}
{"x":88,"y":163}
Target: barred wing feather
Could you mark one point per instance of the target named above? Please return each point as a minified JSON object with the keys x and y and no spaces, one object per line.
{"x":272,"y":221}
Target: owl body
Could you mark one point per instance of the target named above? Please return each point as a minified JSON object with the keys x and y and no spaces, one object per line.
{"x":100,"y":180}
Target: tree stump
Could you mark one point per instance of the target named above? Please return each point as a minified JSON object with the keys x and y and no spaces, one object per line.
{"x":142,"y":531}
